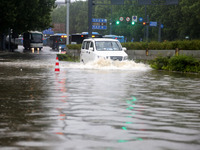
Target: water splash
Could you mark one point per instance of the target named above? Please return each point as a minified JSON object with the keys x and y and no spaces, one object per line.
{"x":107,"y":64}
{"x":100,"y":64}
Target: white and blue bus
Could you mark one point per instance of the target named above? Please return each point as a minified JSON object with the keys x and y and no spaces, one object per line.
{"x":119,"y":38}
{"x":33,"y":39}
{"x":57,"y":41}
{"x":79,"y":37}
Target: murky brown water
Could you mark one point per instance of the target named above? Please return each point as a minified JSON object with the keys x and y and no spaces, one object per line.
{"x":96,"y":106}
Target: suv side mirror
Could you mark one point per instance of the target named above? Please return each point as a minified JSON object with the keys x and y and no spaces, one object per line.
{"x":124,"y":48}
{"x":91,"y":49}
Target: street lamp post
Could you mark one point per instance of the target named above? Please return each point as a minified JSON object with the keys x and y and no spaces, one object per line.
{"x":89,"y":18}
{"x":67,"y":20}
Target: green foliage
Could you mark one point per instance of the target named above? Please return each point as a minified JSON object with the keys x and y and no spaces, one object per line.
{"x":160,"y":63}
{"x":155,"y":45}
{"x":78,"y":16}
{"x":135,"y":45}
{"x":74,"y":46}
{"x":67,"y":57}
{"x":176,"y":63}
{"x":188,"y":45}
{"x":184,"y":64}
{"x":183,"y":45}
{"x":179,"y":20}
{"x":23,"y":15}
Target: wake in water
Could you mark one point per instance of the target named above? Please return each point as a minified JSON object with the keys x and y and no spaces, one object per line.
{"x":100,"y":64}
{"x":107,"y":64}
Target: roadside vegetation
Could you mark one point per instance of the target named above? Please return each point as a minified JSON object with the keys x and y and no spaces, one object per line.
{"x":167,"y":45}
{"x":74,"y":46}
{"x":68,"y":57}
{"x":176,"y":63}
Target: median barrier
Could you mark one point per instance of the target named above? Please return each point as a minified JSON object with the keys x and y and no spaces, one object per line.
{"x":193,"y":53}
{"x":152,"y":54}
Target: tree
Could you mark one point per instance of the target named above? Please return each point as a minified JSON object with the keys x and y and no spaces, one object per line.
{"x":179,"y":20}
{"x":23,"y":15}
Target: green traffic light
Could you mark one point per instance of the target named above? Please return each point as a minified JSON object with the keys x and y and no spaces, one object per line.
{"x":117,"y":22}
{"x":132,"y":23}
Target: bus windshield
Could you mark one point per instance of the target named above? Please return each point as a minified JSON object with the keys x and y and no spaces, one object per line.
{"x":61,"y":40}
{"x":36,"y":38}
{"x":58,"y":39}
{"x":107,"y":46}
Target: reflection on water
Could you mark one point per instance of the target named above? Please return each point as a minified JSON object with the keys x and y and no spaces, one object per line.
{"x":96,"y":106}
{"x":133,"y":109}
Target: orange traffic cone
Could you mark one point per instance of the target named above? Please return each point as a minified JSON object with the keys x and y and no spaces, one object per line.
{"x":57,"y":68}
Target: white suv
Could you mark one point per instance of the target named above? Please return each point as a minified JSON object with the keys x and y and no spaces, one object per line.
{"x":96,"y":48}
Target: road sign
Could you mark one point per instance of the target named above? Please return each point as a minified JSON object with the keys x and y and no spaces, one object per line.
{"x":99,"y":23}
{"x":99,"y":20}
{"x":99,"y":27}
{"x":140,"y":19}
{"x":162,"y":26}
{"x":153,"y":24}
{"x":48,"y":31}
{"x":121,"y":18}
{"x":128,"y":19}
{"x":134,"y":18}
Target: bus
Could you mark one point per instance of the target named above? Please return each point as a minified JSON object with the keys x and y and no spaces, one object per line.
{"x":79,"y":37}
{"x":119,"y":38}
{"x":33,"y":39}
{"x":57,"y":41}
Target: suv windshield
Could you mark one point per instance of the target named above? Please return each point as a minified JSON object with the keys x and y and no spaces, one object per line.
{"x":107,"y":46}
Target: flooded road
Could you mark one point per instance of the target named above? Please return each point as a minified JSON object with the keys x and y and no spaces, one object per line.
{"x":99,"y":106}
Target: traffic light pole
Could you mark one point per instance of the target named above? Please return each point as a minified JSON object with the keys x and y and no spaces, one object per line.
{"x":111,"y":22}
{"x":147,"y":30}
{"x":89,"y":18}
{"x":159,"y":31}
{"x":67,"y":20}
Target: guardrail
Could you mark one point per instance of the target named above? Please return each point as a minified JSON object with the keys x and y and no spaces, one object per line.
{"x":152,"y":54}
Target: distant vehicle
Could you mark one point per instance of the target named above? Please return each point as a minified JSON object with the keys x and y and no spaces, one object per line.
{"x":45,"y":40}
{"x":57,"y":41}
{"x":79,"y":37}
{"x":95,"y":48}
{"x":33,"y":39}
{"x":19,"y":40}
{"x":119,"y":38}
{"x":13,"y":42}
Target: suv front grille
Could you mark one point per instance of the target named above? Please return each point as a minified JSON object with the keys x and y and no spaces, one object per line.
{"x":116,"y":58}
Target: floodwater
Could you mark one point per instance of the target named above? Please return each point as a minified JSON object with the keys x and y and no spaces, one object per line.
{"x":98,"y":106}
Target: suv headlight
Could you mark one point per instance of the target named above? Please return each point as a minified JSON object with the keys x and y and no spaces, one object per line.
{"x":99,"y":57}
{"x":125,"y":57}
